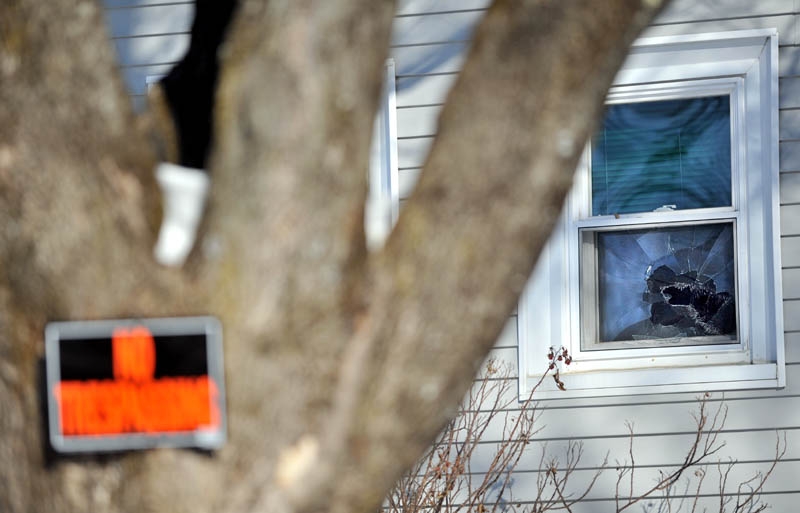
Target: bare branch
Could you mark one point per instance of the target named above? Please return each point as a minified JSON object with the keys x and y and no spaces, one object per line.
{"x":751,"y":497}
{"x":707,"y":440}
{"x":706,"y":443}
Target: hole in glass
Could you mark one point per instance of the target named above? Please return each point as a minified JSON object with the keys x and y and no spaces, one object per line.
{"x":666,"y":283}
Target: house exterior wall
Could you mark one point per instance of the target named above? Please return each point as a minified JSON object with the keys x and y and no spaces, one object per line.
{"x":429,"y":44}
{"x":150,"y":36}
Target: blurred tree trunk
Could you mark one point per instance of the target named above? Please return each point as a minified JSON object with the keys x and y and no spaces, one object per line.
{"x":341,"y":365}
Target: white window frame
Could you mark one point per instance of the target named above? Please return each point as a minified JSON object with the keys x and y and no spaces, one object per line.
{"x":580,"y":205}
{"x":740,"y":63}
{"x":383,"y":201}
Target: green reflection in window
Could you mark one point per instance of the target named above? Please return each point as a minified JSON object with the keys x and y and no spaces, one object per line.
{"x":673,"y":154}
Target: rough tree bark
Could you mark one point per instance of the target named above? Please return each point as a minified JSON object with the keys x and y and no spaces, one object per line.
{"x":341,"y":365}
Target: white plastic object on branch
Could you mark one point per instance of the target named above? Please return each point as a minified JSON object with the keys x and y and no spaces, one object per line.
{"x":184,"y":191}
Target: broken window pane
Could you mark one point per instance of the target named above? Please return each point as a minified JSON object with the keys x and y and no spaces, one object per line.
{"x":672,"y":155}
{"x":666,"y":283}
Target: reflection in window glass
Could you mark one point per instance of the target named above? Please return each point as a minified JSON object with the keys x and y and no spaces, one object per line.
{"x":666,"y":283}
{"x":674,"y":154}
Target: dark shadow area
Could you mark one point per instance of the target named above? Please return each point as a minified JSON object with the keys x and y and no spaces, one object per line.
{"x":191,"y":85}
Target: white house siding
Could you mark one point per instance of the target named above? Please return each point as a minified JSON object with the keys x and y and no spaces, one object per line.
{"x":150,"y":37}
{"x":429,"y":44}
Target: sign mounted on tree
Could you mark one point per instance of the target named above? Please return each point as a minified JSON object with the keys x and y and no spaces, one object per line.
{"x":135,"y":384}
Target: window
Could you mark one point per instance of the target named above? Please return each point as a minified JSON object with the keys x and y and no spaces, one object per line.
{"x":664,"y":274}
{"x":383,"y":202}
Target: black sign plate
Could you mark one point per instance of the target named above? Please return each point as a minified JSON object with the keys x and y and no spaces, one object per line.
{"x":117,"y":385}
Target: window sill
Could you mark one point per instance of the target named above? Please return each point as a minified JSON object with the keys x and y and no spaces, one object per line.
{"x":675,"y":380}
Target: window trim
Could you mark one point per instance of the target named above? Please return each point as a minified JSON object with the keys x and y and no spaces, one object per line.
{"x":657,"y":347}
{"x":657,"y":68}
{"x":383,"y":200}
{"x":580,"y":205}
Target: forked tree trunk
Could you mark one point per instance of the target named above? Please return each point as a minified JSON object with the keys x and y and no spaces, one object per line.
{"x":341,"y":365}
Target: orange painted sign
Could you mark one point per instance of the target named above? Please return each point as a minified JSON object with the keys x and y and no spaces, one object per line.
{"x":122,"y":385}
{"x":168,"y":404}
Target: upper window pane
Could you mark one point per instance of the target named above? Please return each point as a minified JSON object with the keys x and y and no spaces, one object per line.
{"x":673,"y":153}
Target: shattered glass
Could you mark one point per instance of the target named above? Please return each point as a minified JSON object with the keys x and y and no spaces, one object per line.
{"x":666,"y":283}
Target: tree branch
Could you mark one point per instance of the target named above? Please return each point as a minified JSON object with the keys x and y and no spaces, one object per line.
{"x":285,"y":248}
{"x":508,"y":141}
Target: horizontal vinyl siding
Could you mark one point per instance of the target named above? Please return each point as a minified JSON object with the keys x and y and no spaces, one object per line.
{"x":422,"y":7}
{"x":785,"y":23}
{"x":655,"y":415}
{"x":149,"y":36}
{"x":427,"y":66}
{"x":158,"y":19}
{"x":752,"y":447}
{"x":722,"y":10}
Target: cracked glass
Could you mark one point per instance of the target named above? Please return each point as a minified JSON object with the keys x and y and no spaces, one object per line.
{"x":662,"y":284}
